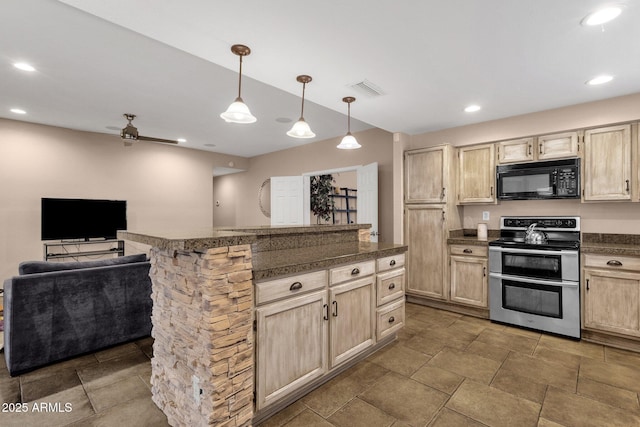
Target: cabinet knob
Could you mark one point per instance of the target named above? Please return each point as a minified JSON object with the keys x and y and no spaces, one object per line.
{"x":392,"y":262}
{"x":392,"y":286}
{"x":295,"y":286}
{"x":392,"y":319}
{"x":614,"y":262}
{"x":355,"y":271}
{"x":467,"y":251}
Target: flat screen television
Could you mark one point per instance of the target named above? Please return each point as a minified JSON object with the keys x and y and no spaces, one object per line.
{"x":71,"y":219}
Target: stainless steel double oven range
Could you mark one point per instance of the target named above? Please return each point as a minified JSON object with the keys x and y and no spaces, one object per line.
{"x":534,"y":274}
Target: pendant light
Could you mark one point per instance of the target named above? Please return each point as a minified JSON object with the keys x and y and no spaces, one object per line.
{"x":301,"y":128}
{"x":349,"y":141}
{"x":238,"y":112}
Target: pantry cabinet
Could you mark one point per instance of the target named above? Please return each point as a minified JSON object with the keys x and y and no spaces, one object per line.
{"x":607,"y":164}
{"x":476,"y":174}
{"x":434,"y":162}
{"x":469,"y":284}
{"x":611,"y":294}
{"x":425,"y":234}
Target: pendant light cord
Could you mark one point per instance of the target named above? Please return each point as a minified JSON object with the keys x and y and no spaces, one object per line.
{"x":240,"y":78}
{"x":349,"y":117}
{"x":302,"y":109}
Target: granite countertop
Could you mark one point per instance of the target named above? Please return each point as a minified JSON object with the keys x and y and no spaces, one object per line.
{"x":261,"y":230}
{"x":470,"y":237}
{"x":189,"y":240}
{"x":271,"y":264}
{"x":610,"y":244}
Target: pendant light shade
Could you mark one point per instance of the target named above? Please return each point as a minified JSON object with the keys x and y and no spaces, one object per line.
{"x":349,"y":141}
{"x":301,"y":128}
{"x":238,"y":112}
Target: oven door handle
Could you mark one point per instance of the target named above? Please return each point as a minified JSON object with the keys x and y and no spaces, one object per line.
{"x":564,"y":284}
{"x":533,"y":251}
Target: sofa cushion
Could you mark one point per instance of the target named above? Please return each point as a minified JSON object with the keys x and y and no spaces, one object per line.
{"x":32,"y":267}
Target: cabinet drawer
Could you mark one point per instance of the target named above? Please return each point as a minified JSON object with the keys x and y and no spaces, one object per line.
{"x":390,"y":262}
{"x":469,"y":250}
{"x":390,"y":318}
{"x":390,"y":286}
{"x":612,"y":261}
{"x":289,"y":286}
{"x":352,"y":271}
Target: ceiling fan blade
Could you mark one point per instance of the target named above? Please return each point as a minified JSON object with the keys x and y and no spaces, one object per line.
{"x":148,"y":138}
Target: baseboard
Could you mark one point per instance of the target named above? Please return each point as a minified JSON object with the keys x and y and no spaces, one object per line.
{"x":611,"y":340}
{"x":482,"y":313}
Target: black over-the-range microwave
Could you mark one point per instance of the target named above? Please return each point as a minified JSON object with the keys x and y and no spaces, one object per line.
{"x":554,"y":179}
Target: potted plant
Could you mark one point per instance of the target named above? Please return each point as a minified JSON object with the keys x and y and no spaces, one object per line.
{"x":321,"y":202}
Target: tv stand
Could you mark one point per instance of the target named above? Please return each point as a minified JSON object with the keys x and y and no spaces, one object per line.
{"x":57,"y":250}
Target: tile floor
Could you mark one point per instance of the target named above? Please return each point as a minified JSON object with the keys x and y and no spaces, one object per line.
{"x":445,"y":370}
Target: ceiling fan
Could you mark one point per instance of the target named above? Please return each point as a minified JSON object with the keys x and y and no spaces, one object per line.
{"x":129,"y":133}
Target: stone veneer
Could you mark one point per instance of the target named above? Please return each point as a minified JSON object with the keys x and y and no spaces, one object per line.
{"x":203,"y":327}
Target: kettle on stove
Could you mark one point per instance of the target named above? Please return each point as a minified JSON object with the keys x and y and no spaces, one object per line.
{"x":535,"y":237}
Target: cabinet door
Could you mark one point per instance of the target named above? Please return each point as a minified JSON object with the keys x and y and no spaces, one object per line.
{"x":351,"y":325}
{"x":517,"y":150}
{"x":607,"y":163}
{"x":425,"y":236}
{"x":291,"y":345}
{"x":612,"y":301}
{"x":557,"y":146}
{"x":469,"y":280}
{"x":426,"y":175}
{"x":476,"y":174}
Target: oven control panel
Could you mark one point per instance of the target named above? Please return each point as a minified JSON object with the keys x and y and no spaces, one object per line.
{"x":570,"y":223}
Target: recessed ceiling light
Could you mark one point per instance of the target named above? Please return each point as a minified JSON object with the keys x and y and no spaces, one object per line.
{"x":598,"y":80}
{"x":181,"y":140}
{"x":602,"y":16}
{"x":209,"y":145}
{"x":24,"y":66}
{"x":472,"y":108}
{"x":18,"y":111}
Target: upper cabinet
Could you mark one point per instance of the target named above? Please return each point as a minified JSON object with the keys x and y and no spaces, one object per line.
{"x":476,"y":174}
{"x":607,"y":164}
{"x":557,"y":146}
{"x":546,"y":147}
{"x":428,"y":175}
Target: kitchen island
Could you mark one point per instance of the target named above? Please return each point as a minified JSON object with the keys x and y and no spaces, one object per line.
{"x":235,"y":310}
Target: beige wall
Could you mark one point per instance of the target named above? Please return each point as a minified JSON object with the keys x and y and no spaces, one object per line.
{"x":596,"y":217}
{"x":238,"y":193}
{"x":165,"y":186}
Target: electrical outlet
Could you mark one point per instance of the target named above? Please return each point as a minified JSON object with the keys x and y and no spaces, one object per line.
{"x":195,"y":381}
{"x":485,"y":215}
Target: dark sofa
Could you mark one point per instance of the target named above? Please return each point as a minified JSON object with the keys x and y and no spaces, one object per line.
{"x":57,"y":310}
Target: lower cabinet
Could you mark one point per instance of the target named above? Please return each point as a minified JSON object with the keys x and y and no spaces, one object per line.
{"x":611,"y":294}
{"x":469,"y":275}
{"x":310,"y":324}
{"x":292,"y":345}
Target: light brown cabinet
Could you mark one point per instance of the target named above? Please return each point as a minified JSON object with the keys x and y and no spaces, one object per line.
{"x":434,"y":161}
{"x":469,"y":275}
{"x":425,"y":234}
{"x":611,"y":296}
{"x":310,"y":324}
{"x":476,"y":174}
{"x":545,"y":147}
{"x":351,"y":325}
{"x":607,"y":164}
{"x":292,"y":345}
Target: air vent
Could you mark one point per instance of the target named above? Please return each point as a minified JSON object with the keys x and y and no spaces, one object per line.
{"x":367,"y":88}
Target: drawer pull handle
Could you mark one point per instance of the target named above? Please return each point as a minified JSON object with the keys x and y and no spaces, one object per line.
{"x":615,"y":263}
{"x":392,"y":263}
{"x":467,"y":251}
{"x":335,"y":308}
{"x":295,"y":286}
{"x":392,"y":286}
{"x":325,"y":308}
{"x":355,"y":271}
{"x":392,"y":319}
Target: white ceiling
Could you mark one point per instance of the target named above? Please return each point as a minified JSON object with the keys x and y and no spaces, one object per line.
{"x":170,"y":63}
